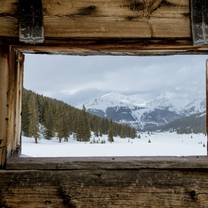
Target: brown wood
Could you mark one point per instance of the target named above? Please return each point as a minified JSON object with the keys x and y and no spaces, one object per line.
{"x":4,"y":71}
{"x":31,"y":21}
{"x":89,"y":27}
{"x":105,"y":19}
{"x":107,"y":163}
{"x":15,"y":79}
{"x":114,"y":47}
{"x":16,"y":143}
{"x":146,"y":188}
{"x":11,"y":75}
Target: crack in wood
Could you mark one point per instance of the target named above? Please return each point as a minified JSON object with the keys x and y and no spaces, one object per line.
{"x":87,"y":10}
{"x":4,"y":14}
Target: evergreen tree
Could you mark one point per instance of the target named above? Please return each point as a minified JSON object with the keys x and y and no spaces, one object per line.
{"x":83,"y":129}
{"x":25,"y":114}
{"x":60,"y":119}
{"x":48,"y":121}
{"x":110,"y":135}
{"x":33,"y":121}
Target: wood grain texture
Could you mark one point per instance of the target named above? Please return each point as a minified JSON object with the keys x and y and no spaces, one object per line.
{"x":104,"y":188}
{"x":106,"y":18}
{"x":16,"y":142}
{"x":107,"y":163}
{"x":112,"y":46}
{"x":13,"y":96}
{"x":4,"y":71}
{"x":135,"y":47}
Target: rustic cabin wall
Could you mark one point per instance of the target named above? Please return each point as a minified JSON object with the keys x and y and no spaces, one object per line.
{"x":105,"y":19}
{"x":124,"y":188}
{"x":128,"y":27}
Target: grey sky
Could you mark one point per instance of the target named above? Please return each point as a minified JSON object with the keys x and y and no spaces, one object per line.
{"x":62,"y":76}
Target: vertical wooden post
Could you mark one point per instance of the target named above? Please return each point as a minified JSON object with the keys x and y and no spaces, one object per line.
{"x":4,"y":72}
{"x":14,"y":102}
{"x":11,"y":80}
{"x":16,"y":144}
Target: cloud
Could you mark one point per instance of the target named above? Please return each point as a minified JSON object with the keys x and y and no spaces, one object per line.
{"x":58,"y":75}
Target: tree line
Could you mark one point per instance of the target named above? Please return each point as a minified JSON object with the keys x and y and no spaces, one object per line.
{"x":53,"y":118}
{"x":194,"y":123}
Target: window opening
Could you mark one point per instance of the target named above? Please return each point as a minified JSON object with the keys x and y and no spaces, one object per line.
{"x":113,"y":106}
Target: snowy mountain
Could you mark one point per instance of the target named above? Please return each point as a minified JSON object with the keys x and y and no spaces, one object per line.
{"x":194,"y":107}
{"x":145,"y":114}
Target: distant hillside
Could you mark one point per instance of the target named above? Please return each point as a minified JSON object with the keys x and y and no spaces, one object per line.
{"x":191,"y":124}
{"x":51,"y":117}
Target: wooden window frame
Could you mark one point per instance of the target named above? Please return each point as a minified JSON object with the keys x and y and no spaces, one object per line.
{"x":12,"y":64}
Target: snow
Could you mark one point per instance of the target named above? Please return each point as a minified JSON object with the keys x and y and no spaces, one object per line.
{"x":162,"y":144}
{"x":166,"y":99}
{"x":196,"y":106}
{"x":111,"y":99}
{"x":183,"y":105}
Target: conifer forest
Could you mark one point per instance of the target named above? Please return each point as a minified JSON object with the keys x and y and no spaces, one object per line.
{"x":53,"y":118}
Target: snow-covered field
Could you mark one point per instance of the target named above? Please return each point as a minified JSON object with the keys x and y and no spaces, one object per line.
{"x":157,"y":144}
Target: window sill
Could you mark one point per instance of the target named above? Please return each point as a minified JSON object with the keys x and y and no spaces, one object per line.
{"x":107,"y":163}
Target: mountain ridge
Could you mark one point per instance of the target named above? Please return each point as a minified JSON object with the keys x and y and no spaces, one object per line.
{"x":145,"y":114}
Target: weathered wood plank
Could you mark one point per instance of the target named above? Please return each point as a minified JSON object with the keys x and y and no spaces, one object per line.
{"x":105,"y":27}
{"x":15,"y":77}
{"x":109,"y":18}
{"x":106,"y":163}
{"x":120,"y":8}
{"x":12,"y":76}
{"x":16,"y":143}
{"x":104,"y":188}
{"x":114,"y":47}
{"x":4,"y":71}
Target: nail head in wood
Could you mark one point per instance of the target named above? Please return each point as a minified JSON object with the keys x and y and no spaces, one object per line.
{"x":31,"y":21}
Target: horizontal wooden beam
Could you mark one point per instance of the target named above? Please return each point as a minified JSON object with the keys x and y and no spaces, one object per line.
{"x":114,"y":47}
{"x":105,"y":19}
{"x":133,"y":188}
{"x":106,"y":163}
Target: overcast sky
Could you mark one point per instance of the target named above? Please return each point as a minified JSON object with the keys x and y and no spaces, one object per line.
{"x":83,"y":76}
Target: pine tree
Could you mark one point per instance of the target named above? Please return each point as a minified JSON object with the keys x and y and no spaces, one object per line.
{"x":83,"y":129}
{"x":48,"y":121}
{"x":25,"y":114}
{"x":60,"y":119}
{"x":33,"y":122}
{"x":132,"y":133}
{"x":110,"y":135}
